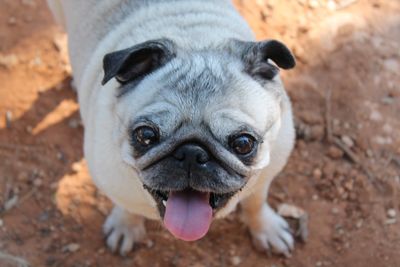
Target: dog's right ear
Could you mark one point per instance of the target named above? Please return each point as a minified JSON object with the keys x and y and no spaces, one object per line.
{"x":137,"y":61}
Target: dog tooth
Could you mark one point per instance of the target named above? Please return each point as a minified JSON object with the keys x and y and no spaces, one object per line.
{"x":164,"y":203}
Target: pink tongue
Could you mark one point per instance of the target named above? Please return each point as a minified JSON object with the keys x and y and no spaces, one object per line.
{"x":188,"y":215}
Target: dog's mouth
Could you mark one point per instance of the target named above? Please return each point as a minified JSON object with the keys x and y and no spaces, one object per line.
{"x":187,"y":214}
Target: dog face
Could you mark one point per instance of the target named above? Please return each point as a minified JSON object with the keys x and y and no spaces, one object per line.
{"x":195,"y":125}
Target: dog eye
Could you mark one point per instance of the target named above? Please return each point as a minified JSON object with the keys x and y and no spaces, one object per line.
{"x":146,"y":135}
{"x":243,"y":144}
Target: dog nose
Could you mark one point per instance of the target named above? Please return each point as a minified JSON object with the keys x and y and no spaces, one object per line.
{"x":192,"y":154}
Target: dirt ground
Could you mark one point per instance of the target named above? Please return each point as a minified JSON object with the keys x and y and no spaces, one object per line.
{"x":345,"y":170}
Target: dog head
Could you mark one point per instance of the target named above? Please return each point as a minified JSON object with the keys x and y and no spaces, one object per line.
{"x":195,"y":125}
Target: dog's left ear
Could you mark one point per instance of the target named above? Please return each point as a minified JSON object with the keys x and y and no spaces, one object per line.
{"x":257,"y":57}
{"x":137,"y":61}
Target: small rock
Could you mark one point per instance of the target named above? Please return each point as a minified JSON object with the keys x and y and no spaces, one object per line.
{"x":318,"y":264}
{"x":335,"y":153}
{"x":149,"y":243}
{"x":317,"y":132}
{"x":8,"y":119}
{"x":54,"y":185}
{"x":31,"y":3}
{"x":335,"y":210}
{"x":29,"y":129}
{"x":381,"y":140}
{"x":236,"y":260}
{"x":37,"y":182}
{"x":73,"y":247}
{"x":60,"y":156}
{"x":8,"y":61}
{"x":73,"y":123}
{"x":11,"y":203}
{"x":375,"y":116}
{"x":37,"y":61}
{"x":287,"y":210}
{"x":390,"y":221}
{"x":347,"y":141}
{"x":313,"y":4}
{"x":387,"y":128}
{"x":391,"y":213}
{"x":317,"y":173}
{"x":387,"y":100}
{"x":331,"y":5}
{"x":349,"y":185}
{"x":299,"y":218}
{"x":392,"y":65}
{"x":12,"y":21}
{"x":359,"y":223}
{"x":311,"y":117}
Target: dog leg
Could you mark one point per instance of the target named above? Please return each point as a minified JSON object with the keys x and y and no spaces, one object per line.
{"x":267,"y":228}
{"x":122,"y":230}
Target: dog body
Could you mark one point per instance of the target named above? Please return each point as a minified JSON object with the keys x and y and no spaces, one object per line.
{"x":180,"y":78}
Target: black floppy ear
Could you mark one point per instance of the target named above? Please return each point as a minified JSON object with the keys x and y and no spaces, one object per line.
{"x":137,"y":61}
{"x":257,"y":55}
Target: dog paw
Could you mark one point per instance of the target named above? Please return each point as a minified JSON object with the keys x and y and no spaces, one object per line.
{"x":272,"y":233}
{"x":123,"y":230}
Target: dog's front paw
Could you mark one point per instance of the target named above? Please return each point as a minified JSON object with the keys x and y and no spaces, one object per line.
{"x":270,"y":231}
{"x":123,"y":230}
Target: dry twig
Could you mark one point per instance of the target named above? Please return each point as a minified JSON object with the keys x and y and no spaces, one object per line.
{"x":328,"y":116}
{"x":20,"y":262}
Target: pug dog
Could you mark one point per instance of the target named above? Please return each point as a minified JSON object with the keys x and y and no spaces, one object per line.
{"x":185,"y":115}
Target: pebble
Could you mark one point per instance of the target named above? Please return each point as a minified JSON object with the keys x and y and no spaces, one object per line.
{"x":317,"y":173}
{"x":12,"y":21}
{"x":73,"y":123}
{"x":73,"y":247}
{"x":331,"y":5}
{"x":1,"y":223}
{"x":10,"y":203}
{"x":37,"y":61}
{"x":381,"y":140}
{"x":359,"y":223}
{"x":317,"y":132}
{"x":149,"y":243}
{"x":313,"y":4}
{"x":28,"y":129}
{"x":392,"y":65}
{"x":37,"y":182}
{"x":236,"y":260}
{"x":8,"y":61}
{"x":311,"y":117}
{"x":347,"y":141}
{"x":375,"y":116}
{"x":391,"y":213}
{"x":335,"y":153}
{"x":328,"y":29}
{"x":31,"y":3}
{"x":8,"y":119}
{"x":335,"y":210}
{"x":390,"y":221}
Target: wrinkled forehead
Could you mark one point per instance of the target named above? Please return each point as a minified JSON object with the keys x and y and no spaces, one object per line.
{"x":206,"y":88}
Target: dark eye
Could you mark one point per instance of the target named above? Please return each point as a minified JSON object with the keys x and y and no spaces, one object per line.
{"x":243,"y":144}
{"x":146,"y":135}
